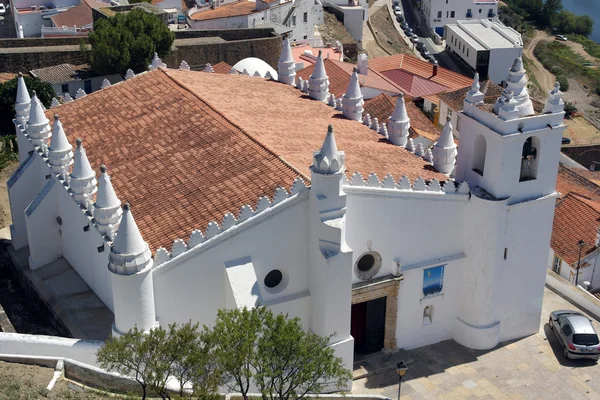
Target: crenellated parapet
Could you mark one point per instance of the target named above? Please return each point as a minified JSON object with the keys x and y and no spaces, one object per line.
{"x":404,"y":185}
{"x":245,"y":216}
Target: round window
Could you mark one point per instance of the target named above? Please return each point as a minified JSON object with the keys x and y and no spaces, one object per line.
{"x":273,"y":278}
{"x":366,"y":262}
{"x":367,"y":265}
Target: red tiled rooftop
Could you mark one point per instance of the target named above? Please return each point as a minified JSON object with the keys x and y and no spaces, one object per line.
{"x":299,"y":56}
{"x":177,"y":161}
{"x":80,"y":15}
{"x":575,"y":180}
{"x":293,"y":126}
{"x":339,"y":77}
{"x":575,"y":218}
{"x":225,"y":11}
{"x":185,"y":147}
{"x":407,"y":63}
{"x":382,"y":107}
{"x":222,"y":67}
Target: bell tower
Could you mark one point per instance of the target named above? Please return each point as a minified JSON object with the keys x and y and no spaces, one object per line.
{"x":509,"y":153}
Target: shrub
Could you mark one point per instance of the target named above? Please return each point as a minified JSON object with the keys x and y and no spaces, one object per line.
{"x":564,"y":82}
{"x":570,"y":109}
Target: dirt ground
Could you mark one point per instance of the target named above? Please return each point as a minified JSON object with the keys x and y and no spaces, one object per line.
{"x":578,"y":49}
{"x":581,"y":131}
{"x":5,"y":219}
{"x":386,"y":32}
{"x":544,"y":77}
{"x":333,"y":30}
{"x":22,"y":381}
{"x":584,"y":99}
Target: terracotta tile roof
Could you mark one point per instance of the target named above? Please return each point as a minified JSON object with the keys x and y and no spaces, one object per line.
{"x":299,"y":56}
{"x":293,"y":126}
{"x":339,"y":77}
{"x":412,"y":65}
{"x":574,"y":180}
{"x":412,"y":84}
{"x":382,"y":107}
{"x":177,"y":161}
{"x":222,"y":67}
{"x":455,"y":99}
{"x":225,"y":11}
{"x":62,"y":73}
{"x":575,"y":218}
{"x":185,"y":147}
{"x":6,"y":76}
{"x":80,"y":15}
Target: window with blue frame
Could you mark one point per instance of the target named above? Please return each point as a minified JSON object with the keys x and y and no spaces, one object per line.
{"x":433,"y":281}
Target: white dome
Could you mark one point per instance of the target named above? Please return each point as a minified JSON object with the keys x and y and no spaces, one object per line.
{"x":253,"y":64}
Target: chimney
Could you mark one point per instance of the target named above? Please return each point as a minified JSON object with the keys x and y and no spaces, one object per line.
{"x":363,"y":64}
{"x":435,"y":67}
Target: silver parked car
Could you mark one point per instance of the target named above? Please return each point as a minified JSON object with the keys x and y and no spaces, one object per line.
{"x":576,"y":334}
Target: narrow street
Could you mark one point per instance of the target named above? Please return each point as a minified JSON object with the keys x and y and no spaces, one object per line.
{"x":441,"y":55}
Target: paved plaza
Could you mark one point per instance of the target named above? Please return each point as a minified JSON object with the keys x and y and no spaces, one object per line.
{"x":530,"y":368}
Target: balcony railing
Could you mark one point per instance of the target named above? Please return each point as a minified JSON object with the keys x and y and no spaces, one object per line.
{"x":64,"y":30}
{"x":469,"y":15}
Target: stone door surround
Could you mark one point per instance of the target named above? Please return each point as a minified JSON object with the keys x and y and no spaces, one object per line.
{"x":386,"y":286}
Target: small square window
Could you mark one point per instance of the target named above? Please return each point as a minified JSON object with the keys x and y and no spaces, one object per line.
{"x":305,"y":17}
{"x":65,"y":88}
{"x":451,"y":14}
{"x":439,"y":14}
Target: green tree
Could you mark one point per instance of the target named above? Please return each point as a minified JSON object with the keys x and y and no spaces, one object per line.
{"x":8,"y":95}
{"x":293,"y":362}
{"x":235,"y":335}
{"x":128,"y":41}
{"x":143,"y":356}
{"x":194,"y":360}
{"x":550,"y":11}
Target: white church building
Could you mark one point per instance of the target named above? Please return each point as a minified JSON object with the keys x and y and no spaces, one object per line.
{"x":228,"y":190}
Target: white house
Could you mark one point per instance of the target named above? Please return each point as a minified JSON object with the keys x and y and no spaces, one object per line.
{"x":387,"y":248}
{"x":31,"y":15}
{"x":439,"y":13}
{"x":489,"y":48}
{"x":575,"y":244}
{"x":69,"y":79}
{"x":296,"y":17}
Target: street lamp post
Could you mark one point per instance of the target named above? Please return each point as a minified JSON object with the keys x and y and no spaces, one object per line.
{"x":580,"y":243}
{"x":401,"y":369}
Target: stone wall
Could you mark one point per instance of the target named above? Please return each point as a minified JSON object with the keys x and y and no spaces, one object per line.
{"x":212,"y":47}
{"x":42,"y":42}
{"x":198,"y":54}
{"x":28,"y":58}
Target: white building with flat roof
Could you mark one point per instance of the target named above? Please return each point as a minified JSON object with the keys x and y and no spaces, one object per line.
{"x":489,"y":48}
{"x":439,"y":13}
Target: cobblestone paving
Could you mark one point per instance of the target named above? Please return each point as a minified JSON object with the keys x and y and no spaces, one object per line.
{"x":529,"y":368}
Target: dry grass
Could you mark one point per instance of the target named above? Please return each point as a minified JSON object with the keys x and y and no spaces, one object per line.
{"x":387,"y":34}
{"x":29,"y":382}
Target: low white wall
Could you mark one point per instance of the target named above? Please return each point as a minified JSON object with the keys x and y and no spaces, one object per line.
{"x":83,"y":351}
{"x":576,"y":294}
